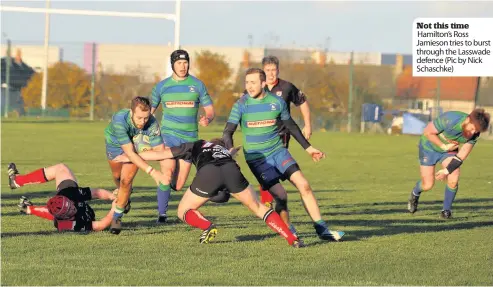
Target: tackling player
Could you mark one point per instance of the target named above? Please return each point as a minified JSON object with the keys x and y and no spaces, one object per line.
{"x":180,"y":96}
{"x":68,"y":208}
{"x":124,"y":126}
{"x":258,"y":112}
{"x":440,"y":144}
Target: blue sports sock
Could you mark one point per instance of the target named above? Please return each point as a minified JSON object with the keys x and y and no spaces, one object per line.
{"x":449,"y":197}
{"x":417,"y":188}
{"x":163,"y":194}
{"x":118,"y":212}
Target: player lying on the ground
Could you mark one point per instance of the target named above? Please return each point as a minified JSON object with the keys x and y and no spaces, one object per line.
{"x":126,"y":127}
{"x":440,"y":144}
{"x":258,"y":112}
{"x":180,"y":96}
{"x":216,"y":170}
{"x":68,"y":208}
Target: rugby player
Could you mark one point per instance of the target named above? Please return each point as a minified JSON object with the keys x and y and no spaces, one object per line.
{"x":258,"y":112}
{"x":439,"y":144}
{"x":180,"y":96}
{"x":68,"y":209}
{"x":126,"y":125}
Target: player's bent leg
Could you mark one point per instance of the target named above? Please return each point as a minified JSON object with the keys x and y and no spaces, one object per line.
{"x":60,"y":172}
{"x":426,"y":183}
{"x":188,"y":213}
{"x":129,"y":170}
{"x":164,"y":190}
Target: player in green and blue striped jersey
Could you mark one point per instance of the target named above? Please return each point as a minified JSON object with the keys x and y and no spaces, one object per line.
{"x":119,"y":134}
{"x":440,"y":144}
{"x":180,"y":97}
{"x":258,"y":112}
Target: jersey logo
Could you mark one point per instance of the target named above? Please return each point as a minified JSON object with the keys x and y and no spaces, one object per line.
{"x":192,"y":89}
{"x":261,"y":124}
{"x":279,"y":93}
{"x":180,"y":104}
{"x":273,"y":107}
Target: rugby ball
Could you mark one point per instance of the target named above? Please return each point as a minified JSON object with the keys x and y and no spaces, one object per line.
{"x":141,"y":143}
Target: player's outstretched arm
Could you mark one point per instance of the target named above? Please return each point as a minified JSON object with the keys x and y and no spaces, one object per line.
{"x":101,"y":193}
{"x":464,"y":151}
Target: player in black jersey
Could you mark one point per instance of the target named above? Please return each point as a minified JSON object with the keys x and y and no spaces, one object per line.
{"x":216,"y":171}
{"x":68,"y":208}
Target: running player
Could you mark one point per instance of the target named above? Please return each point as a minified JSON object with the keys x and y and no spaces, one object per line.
{"x":258,"y":112}
{"x":180,"y":96}
{"x":68,"y":209}
{"x":440,"y":144}
{"x":291,"y":94}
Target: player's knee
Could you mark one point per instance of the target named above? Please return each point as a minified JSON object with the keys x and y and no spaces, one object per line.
{"x":125,"y":182}
{"x":427,"y":185}
{"x":304,"y":187}
{"x":453,"y":183}
{"x":61,"y":167}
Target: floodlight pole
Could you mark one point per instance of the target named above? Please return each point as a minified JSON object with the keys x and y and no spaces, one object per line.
{"x":46,"y":50}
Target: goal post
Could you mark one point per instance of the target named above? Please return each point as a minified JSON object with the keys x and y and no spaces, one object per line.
{"x":48,"y":11}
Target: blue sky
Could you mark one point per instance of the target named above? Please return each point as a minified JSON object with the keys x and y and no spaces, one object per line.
{"x":359,"y":26}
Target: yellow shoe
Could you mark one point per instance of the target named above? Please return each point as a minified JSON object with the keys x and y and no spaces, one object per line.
{"x":208,"y":235}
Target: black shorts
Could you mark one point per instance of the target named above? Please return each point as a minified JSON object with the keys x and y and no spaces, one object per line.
{"x":210,"y":179}
{"x":68,"y":183}
{"x":71,"y":189}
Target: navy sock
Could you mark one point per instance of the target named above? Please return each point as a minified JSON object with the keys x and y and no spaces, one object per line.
{"x":163,"y":194}
{"x":449,"y":197}
{"x":417,"y":188}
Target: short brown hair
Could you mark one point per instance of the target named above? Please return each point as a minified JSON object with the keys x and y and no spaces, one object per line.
{"x":258,"y":71}
{"x":142,"y":102}
{"x":270,"y":60}
{"x":480,"y":118}
{"x":218,"y":141}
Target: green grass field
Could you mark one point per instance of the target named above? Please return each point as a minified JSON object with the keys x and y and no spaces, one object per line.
{"x":362,"y":187}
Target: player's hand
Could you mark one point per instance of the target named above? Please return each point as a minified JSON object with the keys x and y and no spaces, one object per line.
{"x":315,"y":153}
{"x":122,"y":158}
{"x":204,"y":121}
{"x":307,"y":132}
{"x":234,"y":151}
{"x":450,"y":146}
{"x":441,"y":174}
